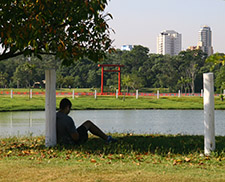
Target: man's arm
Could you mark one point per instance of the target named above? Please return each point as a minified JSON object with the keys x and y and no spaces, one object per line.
{"x":75,"y":136}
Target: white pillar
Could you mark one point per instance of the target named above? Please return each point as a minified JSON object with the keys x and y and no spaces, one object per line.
{"x":157,"y":94}
{"x":73,"y":94}
{"x":116,"y":94}
{"x":179,"y":93}
{"x":202,"y":92}
{"x":136,"y":94}
{"x":223,"y":92}
{"x":209,"y":125}
{"x":31,"y":93}
{"x":11,"y":94}
{"x":50,"y":107}
{"x":95,"y":94}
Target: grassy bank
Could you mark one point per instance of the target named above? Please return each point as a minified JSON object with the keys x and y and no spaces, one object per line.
{"x":144,"y":90}
{"x":19,"y":103}
{"x":132,"y":158}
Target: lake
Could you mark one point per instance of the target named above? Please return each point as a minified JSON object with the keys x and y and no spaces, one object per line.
{"x":121,"y":121}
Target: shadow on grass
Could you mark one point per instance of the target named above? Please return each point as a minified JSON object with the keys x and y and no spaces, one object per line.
{"x":177,"y":144}
{"x":126,"y":144}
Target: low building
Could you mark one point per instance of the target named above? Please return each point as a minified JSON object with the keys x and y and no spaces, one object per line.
{"x":127,"y":47}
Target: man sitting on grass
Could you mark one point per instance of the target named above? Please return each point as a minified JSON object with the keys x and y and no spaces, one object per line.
{"x":67,"y":133}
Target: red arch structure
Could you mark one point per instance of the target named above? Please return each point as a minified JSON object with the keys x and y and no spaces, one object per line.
{"x":119,"y":75}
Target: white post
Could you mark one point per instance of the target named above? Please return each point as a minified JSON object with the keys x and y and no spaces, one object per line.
{"x":116,"y":94}
{"x":73,"y":94}
{"x":50,"y":107}
{"x":31,"y":93}
{"x":209,"y":125}
{"x":157,"y":94}
{"x":202,"y":92}
{"x":95,"y":94}
{"x":179,"y":93}
{"x":11,"y":94}
{"x":223,"y":92}
{"x":136,"y":94}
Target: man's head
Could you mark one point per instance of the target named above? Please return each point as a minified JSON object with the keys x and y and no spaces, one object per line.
{"x":65,"y":105}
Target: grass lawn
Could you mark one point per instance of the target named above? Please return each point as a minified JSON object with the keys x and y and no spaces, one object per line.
{"x":132,"y":158}
{"x":19,"y":103}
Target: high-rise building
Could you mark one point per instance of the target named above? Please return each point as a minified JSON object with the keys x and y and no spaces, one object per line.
{"x":205,"y":40}
{"x":169,"y":42}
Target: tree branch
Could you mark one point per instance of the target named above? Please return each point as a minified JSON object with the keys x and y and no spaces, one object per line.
{"x":10,"y":55}
{"x":14,"y":54}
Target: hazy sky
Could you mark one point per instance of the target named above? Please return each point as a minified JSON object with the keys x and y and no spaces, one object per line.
{"x":138,"y":22}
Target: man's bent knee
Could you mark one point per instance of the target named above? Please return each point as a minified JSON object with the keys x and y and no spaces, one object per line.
{"x":87,"y":124}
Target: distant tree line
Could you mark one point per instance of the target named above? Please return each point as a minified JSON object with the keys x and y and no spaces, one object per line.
{"x":142,"y":70}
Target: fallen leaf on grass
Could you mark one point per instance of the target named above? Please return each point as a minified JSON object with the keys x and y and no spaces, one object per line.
{"x":3,"y":143}
{"x":178,"y":161}
{"x":121,"y":156}
{"x":93,"y":161}
{"x":200,"y":163}
{"x":187,"y":159}
{"x":67,"y":157}
{"x":26,"y":152}
{"x":78,"y":155}
{"x":9,"y":152}
{"x":32,"y":146}
{"x":32,"y":158}
{"x":109,"y":157}
{"x":139,"y":158}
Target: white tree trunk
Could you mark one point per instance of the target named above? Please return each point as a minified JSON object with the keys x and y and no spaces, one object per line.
{"x":209,"y":125}
{"x":50,"y":108}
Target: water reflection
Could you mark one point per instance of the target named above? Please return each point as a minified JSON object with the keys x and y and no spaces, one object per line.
{"x":21,"y":123}
{"x":135,"y":121}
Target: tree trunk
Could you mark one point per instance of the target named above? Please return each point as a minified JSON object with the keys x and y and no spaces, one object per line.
{"x":193,"y":86}
{"x":18,"y":85}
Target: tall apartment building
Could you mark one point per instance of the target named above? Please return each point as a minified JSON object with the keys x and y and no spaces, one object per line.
{"x":205,"y":40}
{"x":169,"y":42}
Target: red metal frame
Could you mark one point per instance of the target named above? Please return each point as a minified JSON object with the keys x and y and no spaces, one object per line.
{"x":119,"y":75}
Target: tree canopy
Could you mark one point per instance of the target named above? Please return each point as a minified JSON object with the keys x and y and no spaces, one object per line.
{"x":68,"y":29}
{"x":142,"y":70}
{"x":217,"y":58}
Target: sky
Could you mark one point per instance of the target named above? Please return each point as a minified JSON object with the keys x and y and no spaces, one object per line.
{"x":139,"y":22}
